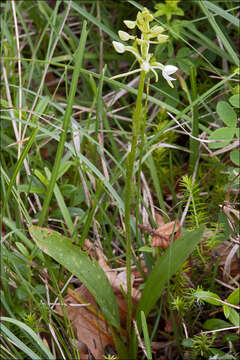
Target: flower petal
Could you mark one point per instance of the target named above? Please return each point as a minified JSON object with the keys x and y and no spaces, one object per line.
{"x":169,"y":69}
{"x":157,"y":65}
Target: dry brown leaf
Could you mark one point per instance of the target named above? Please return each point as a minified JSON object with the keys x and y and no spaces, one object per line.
{"x":162,"y":236}
{"x":88,"y":323}
{"x":159,"y":219}
{"x":228,"y":259}
{"x":115,"y":280}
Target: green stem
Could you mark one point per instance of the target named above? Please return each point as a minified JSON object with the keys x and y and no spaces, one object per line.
{"x":137,"y":119}
{"x":194,"y":144}
{"x":141,"y":146}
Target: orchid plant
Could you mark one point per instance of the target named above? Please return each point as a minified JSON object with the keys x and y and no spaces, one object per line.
{"x":141,"y":50}
{"x":145,"y":59}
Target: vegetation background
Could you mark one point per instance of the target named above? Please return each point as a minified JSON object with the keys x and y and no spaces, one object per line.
{"x":66,"y":130}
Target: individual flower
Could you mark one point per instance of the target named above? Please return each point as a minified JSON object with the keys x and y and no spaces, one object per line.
{"x":169,"y":70}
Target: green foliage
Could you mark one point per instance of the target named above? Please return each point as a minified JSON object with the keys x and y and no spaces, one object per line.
{"x":36,"y":340}
{"x":212,"y":298}
{"x":78,"y":263}
{"x":166,"y":267}
{"x":197,"y":208}
{"x":200,"y":345}
{"x":65,"y":133}
{"x":229,"y":131}
{"x":146,"y":336}
{"x":168,"y":9}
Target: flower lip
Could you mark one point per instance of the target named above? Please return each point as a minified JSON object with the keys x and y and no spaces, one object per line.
{"x":169,"y":70}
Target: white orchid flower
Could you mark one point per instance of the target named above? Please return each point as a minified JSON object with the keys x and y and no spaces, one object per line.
{"x":148,"y":66}
{"x":166,"y":70}
{"x":162,"y":38}
{"x":169,"y":70}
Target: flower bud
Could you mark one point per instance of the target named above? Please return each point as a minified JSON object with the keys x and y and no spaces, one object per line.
{"x":162,"y":38}
{"x":130,"y":24}
{"x":119,"y":47}
{"x":157,"y":29}
{"x":125,"y":36}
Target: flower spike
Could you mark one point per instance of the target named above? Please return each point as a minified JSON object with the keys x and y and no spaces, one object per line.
{"x":149,"y":35}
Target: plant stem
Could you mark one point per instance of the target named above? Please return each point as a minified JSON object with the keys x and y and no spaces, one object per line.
{"x":137,"y":119}
{"x":194,"y":144}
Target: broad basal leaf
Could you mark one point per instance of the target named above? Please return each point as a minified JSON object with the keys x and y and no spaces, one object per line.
{"x":227,"y":114}
{"x":234,"y":297}
{"x":225,"y":133}
{"x":165,"y":267}
{"x":208,"y":296}
{"x":78,"y":263}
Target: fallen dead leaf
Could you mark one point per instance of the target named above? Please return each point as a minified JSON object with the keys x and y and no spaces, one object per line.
{"x":161,"y":237}
{"x":88,"y":323}
{"x":228,"y":259}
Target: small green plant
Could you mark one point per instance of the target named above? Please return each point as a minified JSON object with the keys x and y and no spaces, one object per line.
{"x":229,"y":307}
{"x":200,"y":345}
{"x":110,"y":357}
{"x":168,"y":9}
{"x":197,"y":209}
{"x":230,"y":131}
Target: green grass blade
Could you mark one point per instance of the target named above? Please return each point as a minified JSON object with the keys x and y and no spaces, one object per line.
{"x":18,"y":343}
{"x":146,"y":336}
{"x":194,"y":143}
{"x":156,"y":182}
{"x":221,"y":12}
{"x":66,"y":121}
{"x":36,"y":338}
{"x":89,"y":219}
{"x":78,"y":263}
{"x":219,"y":32}
{"x":93,"y":20}
{"x":18,"y":167}
{"x":62,"y":206}
{"x":13,"y":226}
